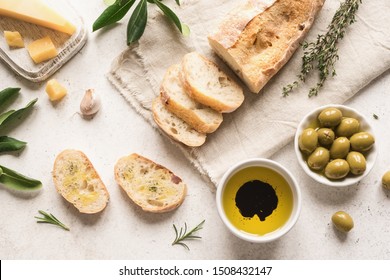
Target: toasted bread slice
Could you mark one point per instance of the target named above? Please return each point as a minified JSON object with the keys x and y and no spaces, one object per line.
{"x":200,"y":117}
{"x":78,"y":182}
{"x":175,"y":127}
{"x":151,"y":186}
{"x":207,"y":84}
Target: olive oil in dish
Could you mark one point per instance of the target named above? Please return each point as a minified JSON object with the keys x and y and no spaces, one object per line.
{"x":257,"y":200}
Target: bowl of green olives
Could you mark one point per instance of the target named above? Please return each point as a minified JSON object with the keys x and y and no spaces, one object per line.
{"x":335,"y":145}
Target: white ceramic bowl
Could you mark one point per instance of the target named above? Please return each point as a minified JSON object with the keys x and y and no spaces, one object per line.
{"x":294,"y":189}
{"x":364,"y":126}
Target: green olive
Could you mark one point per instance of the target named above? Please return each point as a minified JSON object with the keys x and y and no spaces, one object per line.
{"x":362,"y":141}
{"x":348,"y":127}
{"x":357,"y":163}
{"x":386,"y":180}
{"x":337,"y":169}
{"x":330,"y":117}
{"x":325,"y":136}
{"x":318,"y":159}
{"x":308,"y":140}
{"x":342,"y":221}
{"x":339,"y":148}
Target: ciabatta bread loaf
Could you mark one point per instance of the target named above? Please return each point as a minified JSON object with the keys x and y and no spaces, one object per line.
{"x":78,"y":182}
{"x":151,"y":186}
{"x":200,"y":117}
{"x":175,"y":127}
{"x":258,"y":38}
{"x":209,"y":85}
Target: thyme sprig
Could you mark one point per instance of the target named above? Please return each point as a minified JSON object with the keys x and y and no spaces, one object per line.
{"x":184,"y":235}
{"x":50,"y":219}
{"x":323,"y":54}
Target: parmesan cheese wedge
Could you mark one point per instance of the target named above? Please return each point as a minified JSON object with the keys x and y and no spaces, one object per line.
{"x":35,"y":11}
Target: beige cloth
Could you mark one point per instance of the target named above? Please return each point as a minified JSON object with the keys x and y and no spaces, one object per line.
{"x":267,"y":121}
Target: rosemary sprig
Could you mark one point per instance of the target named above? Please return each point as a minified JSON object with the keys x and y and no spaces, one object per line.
{"x":50,"y":219}
{"x":184,"y":235}
{"x":322,"y":54}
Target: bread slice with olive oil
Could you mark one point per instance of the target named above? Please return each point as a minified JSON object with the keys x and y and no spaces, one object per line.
{"x":175,"y":98}
{"x":206,"y":83}
{"x":149,"y":185}
{"x":76,"y":179}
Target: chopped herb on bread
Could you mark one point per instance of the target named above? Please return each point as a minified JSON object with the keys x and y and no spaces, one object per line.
{"x":149,"y":185}
{"x":78,"y":182}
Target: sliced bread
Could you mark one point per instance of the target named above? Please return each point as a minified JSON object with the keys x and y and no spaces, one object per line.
{"x":149,"y":185}
{"x":175,"y":127}
{"x":209,"y":85}
{"x":78,"y":182}
{"x":200,"y":117}
{"x":258,"y":37}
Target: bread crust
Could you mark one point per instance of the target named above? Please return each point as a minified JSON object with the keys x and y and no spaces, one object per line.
{"x":202,"y":97}
{"x":189,"y":115}
{"x":193,"y":142}
{"x":120,"y":177}
{"x":255,"y":55}
{"x":77,"y":181}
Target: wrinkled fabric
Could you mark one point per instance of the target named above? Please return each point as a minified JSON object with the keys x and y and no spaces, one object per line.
{"x":266,"y":121}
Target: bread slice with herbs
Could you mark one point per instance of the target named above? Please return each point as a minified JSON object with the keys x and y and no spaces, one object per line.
{"x":175,"y":127}
{"x":209,"y":85}
{"x":151,"y":186}
{"x":175,"y":98}
{"x":76,"y":179}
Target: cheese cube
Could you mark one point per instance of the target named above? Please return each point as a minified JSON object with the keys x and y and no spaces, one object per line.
{"x":14,"y":39}
{"x":42,"y":49}
{"x":55,"y":90}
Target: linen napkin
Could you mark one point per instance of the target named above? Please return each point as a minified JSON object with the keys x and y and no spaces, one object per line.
{"x":266,"y":121}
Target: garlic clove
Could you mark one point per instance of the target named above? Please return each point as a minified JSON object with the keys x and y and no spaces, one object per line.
{"x":90,"y":104}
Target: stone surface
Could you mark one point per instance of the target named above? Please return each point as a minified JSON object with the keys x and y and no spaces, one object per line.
{"x":122,"y":230}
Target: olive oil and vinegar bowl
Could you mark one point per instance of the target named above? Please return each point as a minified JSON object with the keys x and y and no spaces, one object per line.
{"x":258,"y":200}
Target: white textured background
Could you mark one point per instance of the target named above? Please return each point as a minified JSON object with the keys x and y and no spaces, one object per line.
{"x":122,"y":231}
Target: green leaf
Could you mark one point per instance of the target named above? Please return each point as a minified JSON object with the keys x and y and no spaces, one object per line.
{"x":17,"y":181}
{"x":185,"y":30}
{"x":7,"y":93}
{"x":137,"y":22}
{"x":8,"y":144}
{"x":13,"y":115}
{"x":109,"y":2}
{"x":170,"y":14}
{"x":177,"y":2}
{"x":113,"y":13}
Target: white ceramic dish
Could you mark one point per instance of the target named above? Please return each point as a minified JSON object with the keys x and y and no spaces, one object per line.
{"x":291,"y":182}
{"x":364,"y":126}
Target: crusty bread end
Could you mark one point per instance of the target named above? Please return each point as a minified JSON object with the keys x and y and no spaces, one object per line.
{"x":267,"y":41}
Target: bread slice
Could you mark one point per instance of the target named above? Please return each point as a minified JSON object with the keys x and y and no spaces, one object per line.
{"x":78,"y":182}
{"x":175,"y":127}
{"x":151,"y":186}
{"x":209,"y":85}
{"x":258,"y":38}
{"x":203,"y":119}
